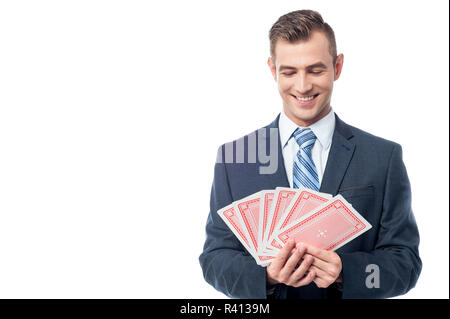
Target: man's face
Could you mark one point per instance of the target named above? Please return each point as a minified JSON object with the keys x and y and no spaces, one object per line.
{"x":305,"y":74}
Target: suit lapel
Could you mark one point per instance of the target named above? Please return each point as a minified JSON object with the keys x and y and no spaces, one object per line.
{"x":341,"y":153}
{"x":279,"y":178}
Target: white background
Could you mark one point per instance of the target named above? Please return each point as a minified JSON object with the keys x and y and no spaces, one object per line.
{"x":111,"y":113}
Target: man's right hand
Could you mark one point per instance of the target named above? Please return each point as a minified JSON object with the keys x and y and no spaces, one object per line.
{"x":283,"y":268}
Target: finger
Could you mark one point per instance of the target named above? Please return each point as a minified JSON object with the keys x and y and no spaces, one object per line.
{"x":305,"y":280}
{"x":332,"y":270}
{"x":291,"y":263}
{"x":324,"y":278}
{"x":319,"y":272}
{"x":319,"y":263}
{"x":279,"y":261}
{"x":320,"y":283}
{"x":302,"y":269}
{"x":323,"y":254}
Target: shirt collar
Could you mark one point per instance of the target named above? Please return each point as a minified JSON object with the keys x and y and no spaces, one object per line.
{"x":323,"y":129}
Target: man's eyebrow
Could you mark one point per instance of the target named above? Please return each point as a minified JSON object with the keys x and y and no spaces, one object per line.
{"x":286,"y":67}
{"x":317,"y":65}
{"x":312,"y":66}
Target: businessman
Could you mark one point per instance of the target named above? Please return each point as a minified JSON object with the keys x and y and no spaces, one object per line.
{"x":317,"y":150}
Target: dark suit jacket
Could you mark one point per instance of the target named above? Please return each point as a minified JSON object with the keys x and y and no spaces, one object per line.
{"x":369,"y":172}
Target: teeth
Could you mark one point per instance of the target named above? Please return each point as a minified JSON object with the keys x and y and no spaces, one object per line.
{"x":304,"y":99}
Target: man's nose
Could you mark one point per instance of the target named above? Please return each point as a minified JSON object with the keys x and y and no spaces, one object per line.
{"x":303,"y":84}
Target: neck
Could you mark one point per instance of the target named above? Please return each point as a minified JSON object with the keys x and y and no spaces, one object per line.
{"x":305,"y":123}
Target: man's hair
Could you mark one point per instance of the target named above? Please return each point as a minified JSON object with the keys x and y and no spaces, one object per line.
{"x":298,"y":25}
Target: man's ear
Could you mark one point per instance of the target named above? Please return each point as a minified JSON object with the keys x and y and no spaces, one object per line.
{"x":272,"y":68}
{"x":338,"y":66}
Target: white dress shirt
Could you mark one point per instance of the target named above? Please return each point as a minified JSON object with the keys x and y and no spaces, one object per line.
{"x":323,"y":129}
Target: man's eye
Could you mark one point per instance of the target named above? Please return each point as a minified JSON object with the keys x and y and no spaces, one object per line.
{"x":288,"y":74}
{"x":316,"y":72}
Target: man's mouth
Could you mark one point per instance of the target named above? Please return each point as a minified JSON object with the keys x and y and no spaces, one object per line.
{"x":306,"y":98}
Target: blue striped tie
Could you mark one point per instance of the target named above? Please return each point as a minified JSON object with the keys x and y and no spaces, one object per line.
{"x":305,"y":173}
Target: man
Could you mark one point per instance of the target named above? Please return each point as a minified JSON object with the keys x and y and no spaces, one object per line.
{"x":367,"y":170}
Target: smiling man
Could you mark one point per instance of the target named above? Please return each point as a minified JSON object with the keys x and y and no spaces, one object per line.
{"x":305,"y":72}
{"x":367,"y":170}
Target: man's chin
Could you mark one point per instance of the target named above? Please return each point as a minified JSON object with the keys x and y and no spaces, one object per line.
{"x":305,"y":117}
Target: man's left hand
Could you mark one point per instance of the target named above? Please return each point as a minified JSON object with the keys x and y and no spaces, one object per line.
{"x":327,"y":265}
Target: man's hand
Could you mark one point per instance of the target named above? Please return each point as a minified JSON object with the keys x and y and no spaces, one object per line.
{"x":327,"y":265}
{"x":283,"y":268}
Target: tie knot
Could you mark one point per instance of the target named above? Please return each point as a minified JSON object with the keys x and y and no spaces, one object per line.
{"x":305,"y":137}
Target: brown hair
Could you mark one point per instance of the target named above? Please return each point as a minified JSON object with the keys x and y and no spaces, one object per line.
{"x":298,"y":25}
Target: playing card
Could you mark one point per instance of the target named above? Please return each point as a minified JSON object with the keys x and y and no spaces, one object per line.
{"x":264,"y":222}
{"x":304,"y":202}
{"x":266,"y":203}
{"x":233,"y":222}
{"x":264,"y":260}
{"x":248,"y":210}
{"x":329,"y":226}
{"x":281,"y":200}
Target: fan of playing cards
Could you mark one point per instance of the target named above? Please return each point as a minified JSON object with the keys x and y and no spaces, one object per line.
{"x":265,"y":221}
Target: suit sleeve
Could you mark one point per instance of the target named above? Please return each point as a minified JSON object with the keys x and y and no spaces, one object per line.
{"x":226,"y":264}
{"x":396,"y":252}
